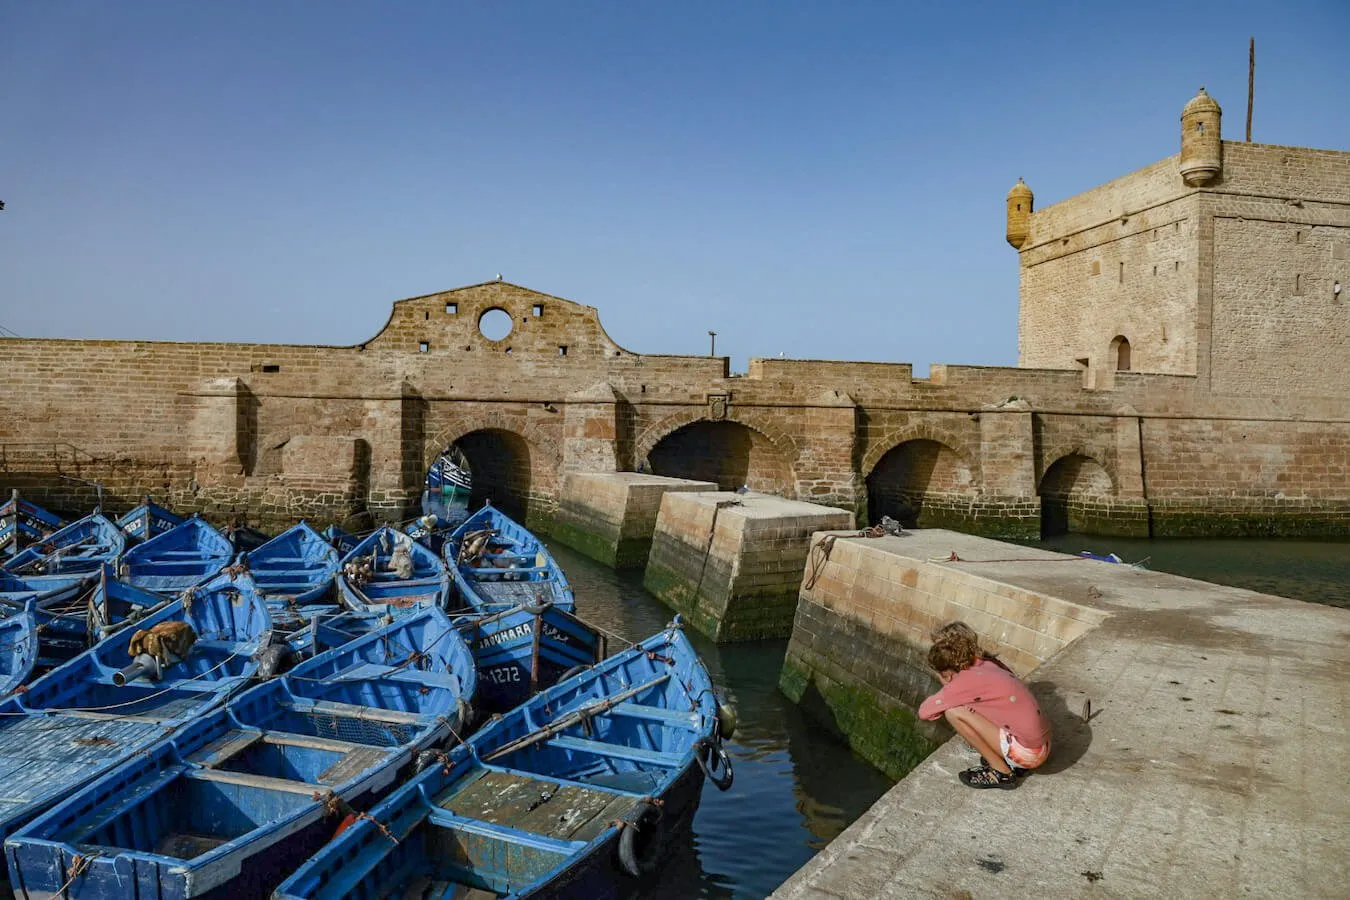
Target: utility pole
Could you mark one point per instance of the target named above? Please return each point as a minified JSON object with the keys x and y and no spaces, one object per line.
{"x":1251,"y":83}
{"x":712,"y":348}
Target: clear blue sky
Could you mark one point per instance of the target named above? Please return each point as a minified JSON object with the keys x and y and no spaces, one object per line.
{"x":823,"y":180}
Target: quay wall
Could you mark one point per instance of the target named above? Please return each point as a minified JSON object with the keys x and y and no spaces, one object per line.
{"x":611,"y":517}
{"x":857,"y":658}
{"x":732,"y":563}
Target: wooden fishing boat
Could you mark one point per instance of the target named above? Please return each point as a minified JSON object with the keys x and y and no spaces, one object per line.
{"x":185,"y":555}
{"x":294,"y":568}
{"x":233,"y":802}
{"x":146,"y":521}
{"x":126,"y":692}
{"x":343,"y":542}
{"x":18,"y":647}
{"x":57,"y":605}
{"x":524,"y":649}
{"x":86,"y":545}
{"x":22,"y":523}
{"x":390,"y":572}
{"x":567,"y":796}
{"x":498,"y":564}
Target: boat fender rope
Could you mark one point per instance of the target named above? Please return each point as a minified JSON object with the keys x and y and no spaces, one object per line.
{"x":816,"y":560}
{"x":656,"y":657}
{"x":716,"y":764}
{"x":640,"y":833}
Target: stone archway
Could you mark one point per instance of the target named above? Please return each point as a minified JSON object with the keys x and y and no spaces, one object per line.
{"x":920,"y":482}
{"x":726,"y":452}
{"x":1071,"y":488}
{"x":512,"y":465}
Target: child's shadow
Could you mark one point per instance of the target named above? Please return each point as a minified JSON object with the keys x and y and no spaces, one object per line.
{"x":1072,"y":728}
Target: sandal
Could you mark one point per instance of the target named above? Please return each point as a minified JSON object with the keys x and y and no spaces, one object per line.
{"x":986,"y":777}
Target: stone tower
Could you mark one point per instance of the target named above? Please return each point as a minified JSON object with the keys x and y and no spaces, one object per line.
{"x":1201,"y":143}
{"x":1020,"y":201}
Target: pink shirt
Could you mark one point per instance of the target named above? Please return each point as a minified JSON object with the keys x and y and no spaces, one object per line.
{"x":996,"y":694}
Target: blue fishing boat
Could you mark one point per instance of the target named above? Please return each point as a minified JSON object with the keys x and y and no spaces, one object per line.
{"x":569,"y":795}
{"x":390,"y":572}
{"x":343,"y":542}
{"x":146,"y":521}
{"x":22,"y":523}
{"x":522,"y":650}
{"x":233,"y":802}
{"x":498,"y":564}
{"x":18,"y":647}
{"x":126,"y":692}
{"x":294,"y":568}
{"x":57,"y":605}
{"x":185,"y":555}
{"x":85,"y":545}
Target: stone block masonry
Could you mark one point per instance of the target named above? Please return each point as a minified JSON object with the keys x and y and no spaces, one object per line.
{"x":1198,"y":770}
{"x":611,"y":517}
{"x":857,"y":657}
{"x":732,"y":563}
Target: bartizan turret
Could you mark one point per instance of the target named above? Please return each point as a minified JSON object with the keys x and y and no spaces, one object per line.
{"x":1201,"y":143}
{"x":1019,"y":214}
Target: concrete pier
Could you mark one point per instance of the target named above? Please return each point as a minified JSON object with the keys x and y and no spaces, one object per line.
{"x":610,"y":516}
{"x":732,"y":563}
{"x":1212,"y":763}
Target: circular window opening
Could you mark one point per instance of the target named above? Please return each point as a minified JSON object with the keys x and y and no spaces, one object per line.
{"x":495,"y":324}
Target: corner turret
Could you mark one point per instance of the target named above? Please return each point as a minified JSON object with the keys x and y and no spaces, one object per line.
{"x":1201,"y":143}
{"x":1020,"y":200}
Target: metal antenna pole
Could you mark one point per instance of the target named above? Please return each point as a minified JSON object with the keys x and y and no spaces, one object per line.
{"x":1251,"y":83}
{"x":712,"y":348}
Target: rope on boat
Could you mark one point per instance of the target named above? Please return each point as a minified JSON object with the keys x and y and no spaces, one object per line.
{"x":78,"y":864}
{"x":129,"y":702}
{"x":334,"y":806}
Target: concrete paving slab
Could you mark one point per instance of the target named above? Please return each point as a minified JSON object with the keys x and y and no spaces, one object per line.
{"x":1212,"y":765}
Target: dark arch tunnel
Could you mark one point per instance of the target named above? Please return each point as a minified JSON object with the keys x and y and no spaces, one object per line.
{"x":729,"y":454}
{"x":905,"y":477}
{"x":499,"y":465}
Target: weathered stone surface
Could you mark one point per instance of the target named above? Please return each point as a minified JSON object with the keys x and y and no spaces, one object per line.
{"x":732,"y":563}
{"x":1195,"y":772}
{"x":611,"y":517}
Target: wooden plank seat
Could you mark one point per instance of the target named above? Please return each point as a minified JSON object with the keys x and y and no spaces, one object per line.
{"x":266,"y":782}
{"x":616,"y":751}
{"x":510,"y":835}
{"x":655,"y":714}
{"x":370,"y":671}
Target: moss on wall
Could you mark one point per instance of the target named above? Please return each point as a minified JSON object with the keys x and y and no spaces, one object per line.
{"x":886,"y":734}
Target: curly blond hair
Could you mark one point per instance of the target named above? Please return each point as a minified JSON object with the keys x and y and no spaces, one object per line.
{"x":956,"y":646}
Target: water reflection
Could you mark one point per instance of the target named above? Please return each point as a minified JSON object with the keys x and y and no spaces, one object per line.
{"x":797,"y":785}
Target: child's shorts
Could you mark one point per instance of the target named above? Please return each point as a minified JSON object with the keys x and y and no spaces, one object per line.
{"x":1014,"y":754}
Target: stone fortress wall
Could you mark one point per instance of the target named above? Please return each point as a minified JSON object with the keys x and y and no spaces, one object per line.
{"x":1228,"y":415}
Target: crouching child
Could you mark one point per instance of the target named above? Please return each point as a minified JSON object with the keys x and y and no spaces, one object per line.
{"x":988,"y":706}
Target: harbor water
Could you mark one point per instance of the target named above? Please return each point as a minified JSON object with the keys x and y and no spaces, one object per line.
{"x":797,"y":785}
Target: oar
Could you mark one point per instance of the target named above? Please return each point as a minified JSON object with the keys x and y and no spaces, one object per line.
{"x":544,"y":732}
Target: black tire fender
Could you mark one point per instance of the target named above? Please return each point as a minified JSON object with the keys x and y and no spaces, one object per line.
{"x":640,"y":839}
{"x":715,"y":762}
{"x":573,"y":672}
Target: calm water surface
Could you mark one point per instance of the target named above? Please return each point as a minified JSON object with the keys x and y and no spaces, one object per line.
{"x":796,"y":787}
{"x":1315,"y":571}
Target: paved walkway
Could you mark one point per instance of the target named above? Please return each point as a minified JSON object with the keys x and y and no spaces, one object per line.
{"x":1216,"y":762}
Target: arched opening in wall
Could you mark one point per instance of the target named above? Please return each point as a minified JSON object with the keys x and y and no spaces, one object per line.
{"x":728,"y":453}
{"x":486,"y":465}
{"x":1073,"y":483}
{"x":911,"y":475}
{"x":1120,"y":352}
